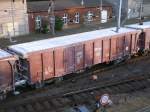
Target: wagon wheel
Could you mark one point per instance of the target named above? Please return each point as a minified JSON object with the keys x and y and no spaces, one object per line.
{"x":146,"y":52}
{"x":39,"y":85}
{"x":3,"y":96}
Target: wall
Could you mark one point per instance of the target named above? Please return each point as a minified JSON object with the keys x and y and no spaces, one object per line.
{"x":13,"y":14}
{"x":71,"y":15}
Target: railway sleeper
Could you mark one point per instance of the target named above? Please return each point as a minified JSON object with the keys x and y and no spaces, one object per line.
{"x":20,"y":109}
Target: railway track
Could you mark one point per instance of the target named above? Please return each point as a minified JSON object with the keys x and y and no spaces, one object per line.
{"x":37,"y":102}
{"x":85,"y":96}
{"x":145,"y":109}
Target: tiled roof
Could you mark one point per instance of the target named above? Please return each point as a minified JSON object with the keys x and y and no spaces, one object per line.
{"x":61,"y":4}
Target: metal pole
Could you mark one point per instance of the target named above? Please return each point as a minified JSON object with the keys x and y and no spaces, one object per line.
{"x":82,"y":2}
{"x":140,"y":13}
{"x":101,"y":7}
{"x":12,"y":15}
{"x":119,"y":16}
{"x":13,"y":21}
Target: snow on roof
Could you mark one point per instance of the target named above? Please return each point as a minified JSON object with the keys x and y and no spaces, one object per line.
{"x":137,"y":26}
{"x":4,"y":54}
{"x":26,"y":48}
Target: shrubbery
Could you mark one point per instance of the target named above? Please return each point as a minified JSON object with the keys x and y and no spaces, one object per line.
{"x":58,"y":23}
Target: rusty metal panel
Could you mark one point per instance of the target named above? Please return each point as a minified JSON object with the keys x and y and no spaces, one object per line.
{"x":113,"y":54}
{"x":48,"y":65}
{"x":127,"y":47}
{"x":7,"y":61}
{"x":59,"y":62}
{"x":35,"y":65}
{"x":147,"y":39}
{"x":88,"y":53}
{"x":97,"y":51}
{"x":5,"y":74}
{"x":120,"y":46}
{"x":79,"y":57}
{"x":69,"y":59}
{"x":134,"y":40}
{"x":106,"y":50}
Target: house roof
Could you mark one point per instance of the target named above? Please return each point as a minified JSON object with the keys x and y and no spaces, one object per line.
{"x":39,"y":6}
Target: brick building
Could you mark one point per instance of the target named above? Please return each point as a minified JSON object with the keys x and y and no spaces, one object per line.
{"x":13,"y":18}
{"x":72,"y":12}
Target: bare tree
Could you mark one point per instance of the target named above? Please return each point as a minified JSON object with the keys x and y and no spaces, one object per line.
{"x":51,"y":16}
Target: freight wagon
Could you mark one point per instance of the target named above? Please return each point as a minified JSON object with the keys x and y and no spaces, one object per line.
{"x":53,"y":58}
{"x":7,"y":62}
{"x":40,"y":61}
{"x":144,"y":37}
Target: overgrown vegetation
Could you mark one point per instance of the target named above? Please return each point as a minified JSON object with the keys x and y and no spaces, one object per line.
{"x":58,"y":23}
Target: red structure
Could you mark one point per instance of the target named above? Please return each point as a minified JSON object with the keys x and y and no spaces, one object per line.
{"x":60,"y":56}
{"x":43,"y":60}
{"x":7,"y":62}
{"x":71,"y":12}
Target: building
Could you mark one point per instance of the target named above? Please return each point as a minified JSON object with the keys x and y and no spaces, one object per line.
{"x":72,"y":12}
{"x":134,"y":8}
{"x":131,"y":8}
{"x":13,"y":18}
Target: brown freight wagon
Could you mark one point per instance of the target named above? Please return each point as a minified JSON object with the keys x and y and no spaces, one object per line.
{"x":144,"y":37}
{"x":57,"y":57}
{"x":7,"y":81}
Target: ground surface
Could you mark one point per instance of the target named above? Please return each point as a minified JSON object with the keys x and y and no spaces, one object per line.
{"x":45,"y":101}
{"x":134,"y":102}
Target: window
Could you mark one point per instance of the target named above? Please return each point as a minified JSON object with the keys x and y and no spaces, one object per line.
{"x":90,"y":16}
{"x":65,"y":18}
{"x":1,"y":29}
{"x":77,"y":17}
{"x":38,"y":22}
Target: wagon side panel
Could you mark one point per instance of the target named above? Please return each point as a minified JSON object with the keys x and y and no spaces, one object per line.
{"x":97,"y":52}
{"x":48,"y":65}
{"x":59,"y":62}
{"x":69,"y":59}
{"x":127,"y":49}
{"x":134,"y":41}
{"x":88,"y":54}
{"x":147,"y":42}
{"x":106,"y":50}
{"x":5,"y":74}
{"x":79,"y":57}
{"x":113,"y":47}
{"x":120,"y":46}
{"x":35,"y":63}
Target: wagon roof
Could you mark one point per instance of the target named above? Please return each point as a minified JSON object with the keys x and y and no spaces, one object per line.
{"x":4,"y":54}
{"x":137,"y":26}
{"x":29,"y":47}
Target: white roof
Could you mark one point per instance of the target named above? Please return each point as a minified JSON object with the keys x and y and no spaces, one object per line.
{"x":4,"y":54}
{"x":26,"y":48}
{"x":137,"y":26}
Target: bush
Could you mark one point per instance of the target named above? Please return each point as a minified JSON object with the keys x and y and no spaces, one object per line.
{"x":58,"y":23}
{"x":45,"y":28}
